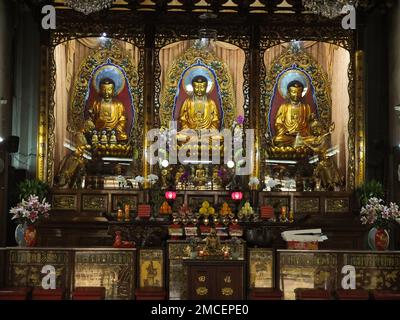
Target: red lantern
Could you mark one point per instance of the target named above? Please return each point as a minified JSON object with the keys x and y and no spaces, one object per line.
{"x":237,"y":196}
{"x":170,"y":195}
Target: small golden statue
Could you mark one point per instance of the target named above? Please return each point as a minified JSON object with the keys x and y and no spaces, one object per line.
{"x":213,"y":244}
{"x":108,"y":113}
{"x":293,"y":117}
{"x":113,"y":138}
{"x":104,"y":138}
{"x":200,"y":177}
{"x":326,"y":170}
{"x":95,"y":138}
{"x":216,"y":179}
{"x":199,"y":111}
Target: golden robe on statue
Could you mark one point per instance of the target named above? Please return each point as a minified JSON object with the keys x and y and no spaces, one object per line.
{"x":108,"y":113}
{"x":199,"y":113}
{"x":292,"y":120}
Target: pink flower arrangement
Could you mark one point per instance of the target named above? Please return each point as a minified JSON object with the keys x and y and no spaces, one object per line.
{"x":30,"y":211}
{"x":377,"y":214}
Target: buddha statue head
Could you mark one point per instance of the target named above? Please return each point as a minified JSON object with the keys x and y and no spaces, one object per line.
{"x":200,"y":84}
{"x":107,"y":89}
{"x":295,"y":91}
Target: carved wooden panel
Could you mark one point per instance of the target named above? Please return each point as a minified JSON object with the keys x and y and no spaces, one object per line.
{"x":94,"y":202}
{"x":261,"y":268}
{"x":375,"y":271}
{"x":121,"y":199}
{"x":64,"y":202}
{"x":307,"y":205}
{"x":112,"y":269}
{"x":176,"y":272}
{"x":215,"y":279}
{"x":25,"y":266}
{"x":151,"y":268}
{"x":306,"y":270}
{"x":337,"y":205}
{"x":274,"y":201}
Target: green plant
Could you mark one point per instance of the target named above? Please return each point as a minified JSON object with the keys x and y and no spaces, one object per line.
{"x":370,"y":189}
{"x":33,"y":187}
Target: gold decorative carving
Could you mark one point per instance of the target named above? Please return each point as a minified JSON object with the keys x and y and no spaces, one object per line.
{"x":67,"y":30}
{"x":151,"y":268}
{"x":64,"y":202}
{"x":337,"y":205}
{"x":25,"y":266}
{"x":227,"y":291}
{"x":307,"y":205}
{"x":202,"y":279}
{"x":360,"y":138}
{"x":94,"y":202}
{"x":124,"y":199}
{"x":202,"y":291}
{"x":261,"y":263}
{"x":273,"y":35}
{"x":113,"y":270}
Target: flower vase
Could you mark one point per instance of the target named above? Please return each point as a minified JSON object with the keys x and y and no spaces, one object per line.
{"x":19,"y":235}
{"x":30,"y":236}
{"x":378,"y":239}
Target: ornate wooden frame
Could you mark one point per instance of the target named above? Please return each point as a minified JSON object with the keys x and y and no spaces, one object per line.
{"x":254,"y":33}
{"x":303,"y":28}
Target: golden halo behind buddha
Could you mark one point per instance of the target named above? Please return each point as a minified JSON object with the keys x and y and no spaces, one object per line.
{"x":293,"y":75}
{"x":194,"y":71}
{"x":112,"y":72}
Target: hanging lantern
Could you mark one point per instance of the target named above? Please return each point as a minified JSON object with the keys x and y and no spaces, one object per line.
{"x":237,"y":196}
{"x":170,"y":195}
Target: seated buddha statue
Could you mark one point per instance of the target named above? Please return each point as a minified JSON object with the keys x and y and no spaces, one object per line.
{"x":293,"y":117}
{"x":199,"y":112}
{"x":108,"y":113}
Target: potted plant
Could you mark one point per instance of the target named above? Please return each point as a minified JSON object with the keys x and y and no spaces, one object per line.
{"x":370,"y":189}
{"x":378,"y":215}
{"x":28,"y":213}
{"x":33,"y":187}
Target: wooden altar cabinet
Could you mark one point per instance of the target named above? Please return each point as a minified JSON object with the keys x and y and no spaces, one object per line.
{"x":216,"y":279}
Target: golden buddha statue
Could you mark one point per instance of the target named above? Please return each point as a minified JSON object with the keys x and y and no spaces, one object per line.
{"x":293,"y":118}
{"x":200,"y":176}
{"x":109,"y":113}
{"x":216,"y":179}
{"x":199,"y":111}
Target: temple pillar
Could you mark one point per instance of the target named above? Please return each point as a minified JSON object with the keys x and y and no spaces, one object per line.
{"x":6,"y":45}
{"x":394,"y":98}
{"x":6,"y":37}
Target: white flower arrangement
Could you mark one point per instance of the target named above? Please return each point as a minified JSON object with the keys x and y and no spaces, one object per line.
{"x":254,"y":182}
{"x":152,"y":178}
{"x":379,"y":215}
{"x":31,"y":211}
{"x":139,"y":179}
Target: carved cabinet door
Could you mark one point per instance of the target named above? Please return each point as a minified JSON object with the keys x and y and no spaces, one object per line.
{"x":229,"y":283}
{"x":201,"y":282}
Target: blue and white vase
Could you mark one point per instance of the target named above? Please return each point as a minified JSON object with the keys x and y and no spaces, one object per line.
{"x":20,"y":235}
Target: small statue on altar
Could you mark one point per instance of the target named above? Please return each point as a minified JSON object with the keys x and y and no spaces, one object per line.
{"x":213,"y":244}
{"x":200,"y":177}
{"x":108,"y":113}
{"x":179,"y":177}
{"x":113,"y":138}
{"x":326,"y":170}
{"x":216,"y":179}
